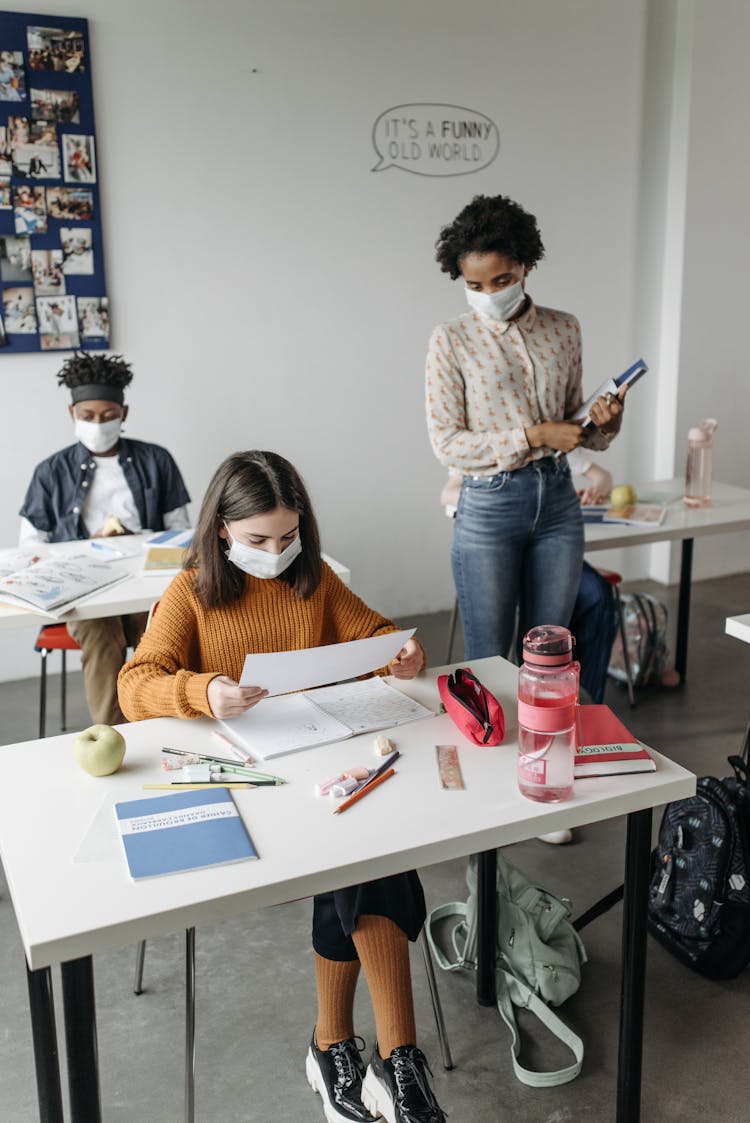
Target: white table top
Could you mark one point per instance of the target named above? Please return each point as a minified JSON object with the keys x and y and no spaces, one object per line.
{"x":739,"y":627}
{"x":136,"y":594}
{"x":68,"y":908}
{"x":729,"y":511}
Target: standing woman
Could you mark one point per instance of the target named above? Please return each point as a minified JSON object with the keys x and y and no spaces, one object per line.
{"x":501,"y":381}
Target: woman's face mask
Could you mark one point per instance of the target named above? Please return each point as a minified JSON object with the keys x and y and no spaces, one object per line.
{"x":98,"y":436}
{"x":500,"y":305}
{"x":261,"y":563}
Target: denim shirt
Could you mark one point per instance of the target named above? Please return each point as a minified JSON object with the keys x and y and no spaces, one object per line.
{"x":58,"y":488}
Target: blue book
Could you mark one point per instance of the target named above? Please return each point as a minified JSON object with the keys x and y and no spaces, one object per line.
{"x":184,"y":831}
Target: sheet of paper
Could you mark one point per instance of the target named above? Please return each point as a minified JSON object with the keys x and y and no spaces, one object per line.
{"x":368,"y":705}
{"x":284,"y":725}
{"x":283,"y":671}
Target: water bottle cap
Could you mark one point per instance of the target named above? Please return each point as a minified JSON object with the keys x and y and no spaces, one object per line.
{"x":703,"y":431}
{"x":548,"y":644}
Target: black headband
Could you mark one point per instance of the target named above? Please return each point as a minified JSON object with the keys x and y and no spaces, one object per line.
{"x":97,"y":392}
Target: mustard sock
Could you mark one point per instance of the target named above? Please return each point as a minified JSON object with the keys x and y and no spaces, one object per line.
{"x":336,"y":983}
{"x":383,"y":950}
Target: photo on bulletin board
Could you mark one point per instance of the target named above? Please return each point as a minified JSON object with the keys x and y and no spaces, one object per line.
{"x":53,"y":294}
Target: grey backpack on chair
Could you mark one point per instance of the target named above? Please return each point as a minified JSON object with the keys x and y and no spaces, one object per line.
{"x":539,"y":958}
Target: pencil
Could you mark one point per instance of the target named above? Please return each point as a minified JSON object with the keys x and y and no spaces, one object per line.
{"x":363,"y":791}
{"x":191,"y":787}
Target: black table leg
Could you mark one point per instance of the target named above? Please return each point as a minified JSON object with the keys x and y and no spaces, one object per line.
{"x":42,"y":1010}
{"x":80,"y":1039}
{"x":638,"y":848}
{"x":683,"y":608}
{"x":486,"y":927}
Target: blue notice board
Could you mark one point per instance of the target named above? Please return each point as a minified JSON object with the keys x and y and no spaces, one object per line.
{"x":52,"y":286}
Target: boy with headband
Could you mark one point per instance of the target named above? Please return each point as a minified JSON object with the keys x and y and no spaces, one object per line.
{"x":105,"y":484}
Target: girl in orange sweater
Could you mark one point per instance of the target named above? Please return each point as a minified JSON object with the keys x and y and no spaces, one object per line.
{"x":255,"y":582}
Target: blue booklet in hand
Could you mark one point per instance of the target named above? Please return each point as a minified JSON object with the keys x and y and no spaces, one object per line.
{"x":184,"y":831}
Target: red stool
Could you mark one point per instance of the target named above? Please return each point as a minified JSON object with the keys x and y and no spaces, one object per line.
{"x":614,"y":580}
{"x":53,"y":637}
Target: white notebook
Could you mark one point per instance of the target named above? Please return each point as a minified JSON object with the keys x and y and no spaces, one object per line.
{"x":290,"y":722}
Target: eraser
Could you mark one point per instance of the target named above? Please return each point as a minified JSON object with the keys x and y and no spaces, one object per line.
{"x":344,"y":787}
{"x":171,"y":763}
{"x":358,"y":773}
{"x":197,"y":773}
{"x":384,"y":746}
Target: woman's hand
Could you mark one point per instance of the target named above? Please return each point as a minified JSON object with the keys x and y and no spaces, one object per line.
{"x":228,"y":699}
{"x":606,"y":412}
{"x":563,"y":436}
{"x":409,"y":661}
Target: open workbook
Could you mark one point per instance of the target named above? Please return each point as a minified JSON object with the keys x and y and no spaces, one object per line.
{"x":290,"y":722}
{"x":54,"y":584}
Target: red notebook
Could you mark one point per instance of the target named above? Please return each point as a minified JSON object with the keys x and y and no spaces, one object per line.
{"x":606,"y":747}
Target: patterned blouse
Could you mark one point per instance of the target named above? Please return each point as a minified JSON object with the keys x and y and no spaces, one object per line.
{"x":488,"y":380}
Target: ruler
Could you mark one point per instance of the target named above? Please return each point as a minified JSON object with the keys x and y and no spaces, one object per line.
{"x":449,"y":768}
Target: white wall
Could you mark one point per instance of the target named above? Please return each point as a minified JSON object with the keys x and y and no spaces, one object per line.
{"x":714,"y":355}
{"x":272,"y":291}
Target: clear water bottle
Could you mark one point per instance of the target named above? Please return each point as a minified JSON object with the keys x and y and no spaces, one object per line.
{"x":699,"y":467}
{"x":547,"y":703}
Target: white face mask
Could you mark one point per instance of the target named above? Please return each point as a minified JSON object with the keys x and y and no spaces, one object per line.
{"x":497,"y":305}
{"x":98,"y":436}
{"x":261,"y":563}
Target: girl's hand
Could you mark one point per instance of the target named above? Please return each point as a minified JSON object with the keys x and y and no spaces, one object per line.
{"x":409,"y":661}
{"x":599,"y":487}
{"x":563,"y":436}
{"x":228,"y":699}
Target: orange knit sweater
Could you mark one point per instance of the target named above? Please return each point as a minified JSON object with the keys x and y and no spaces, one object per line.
{"x":187,"y":644}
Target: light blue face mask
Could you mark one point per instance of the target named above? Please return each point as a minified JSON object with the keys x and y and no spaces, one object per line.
{"x":497,"y":305}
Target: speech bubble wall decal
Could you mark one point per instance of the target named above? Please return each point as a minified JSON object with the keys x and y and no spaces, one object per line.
{"x":433,"y":139}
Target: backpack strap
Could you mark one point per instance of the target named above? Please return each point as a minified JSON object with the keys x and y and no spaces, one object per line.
{"x":455,"y":910}
{"x":511,"y":991}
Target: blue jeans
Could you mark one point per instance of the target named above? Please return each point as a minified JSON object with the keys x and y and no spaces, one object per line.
{"x":518,"y":545}
{"x":594,"y":625}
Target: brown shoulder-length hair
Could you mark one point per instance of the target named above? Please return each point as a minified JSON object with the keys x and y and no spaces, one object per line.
{"x":248,"y":484}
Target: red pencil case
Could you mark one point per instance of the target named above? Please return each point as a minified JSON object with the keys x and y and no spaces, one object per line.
{"x":472,"y":707}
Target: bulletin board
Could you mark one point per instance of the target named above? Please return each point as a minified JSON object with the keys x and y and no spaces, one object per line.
{"x":52,"y":290}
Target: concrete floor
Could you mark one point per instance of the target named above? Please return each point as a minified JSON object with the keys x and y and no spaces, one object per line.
{"x":255,"y":988}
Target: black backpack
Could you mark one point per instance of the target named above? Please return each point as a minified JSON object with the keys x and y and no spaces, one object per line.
{"x":699,"y":896}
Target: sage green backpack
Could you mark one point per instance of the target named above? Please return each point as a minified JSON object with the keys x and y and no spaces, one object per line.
{"x":539,"y":958}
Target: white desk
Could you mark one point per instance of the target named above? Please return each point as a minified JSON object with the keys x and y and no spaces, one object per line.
{"x":136,"y":594}
{"x":69,"y":911}
{"x":739,"y":627}
{"x":729,"y":511}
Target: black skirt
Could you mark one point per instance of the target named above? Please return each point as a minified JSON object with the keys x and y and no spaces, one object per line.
{"x":335,"y":915}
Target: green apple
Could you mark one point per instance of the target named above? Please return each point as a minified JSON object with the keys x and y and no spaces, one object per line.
{"x":99,"y":750}
{"x":623,"y":496}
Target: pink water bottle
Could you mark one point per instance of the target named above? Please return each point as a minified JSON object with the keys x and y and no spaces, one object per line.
{"x":698,"y":470}
{"x":547,"y":704}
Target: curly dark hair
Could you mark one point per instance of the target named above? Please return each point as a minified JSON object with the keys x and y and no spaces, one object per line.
{"x":85,"y":369}
{"x":489,"y":224}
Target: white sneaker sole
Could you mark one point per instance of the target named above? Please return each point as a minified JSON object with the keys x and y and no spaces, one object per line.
{"x":376,"y":1098}
{"x":318,"y":1084}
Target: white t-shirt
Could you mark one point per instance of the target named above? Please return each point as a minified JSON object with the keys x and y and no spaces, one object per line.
{"x":108,"y":494}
